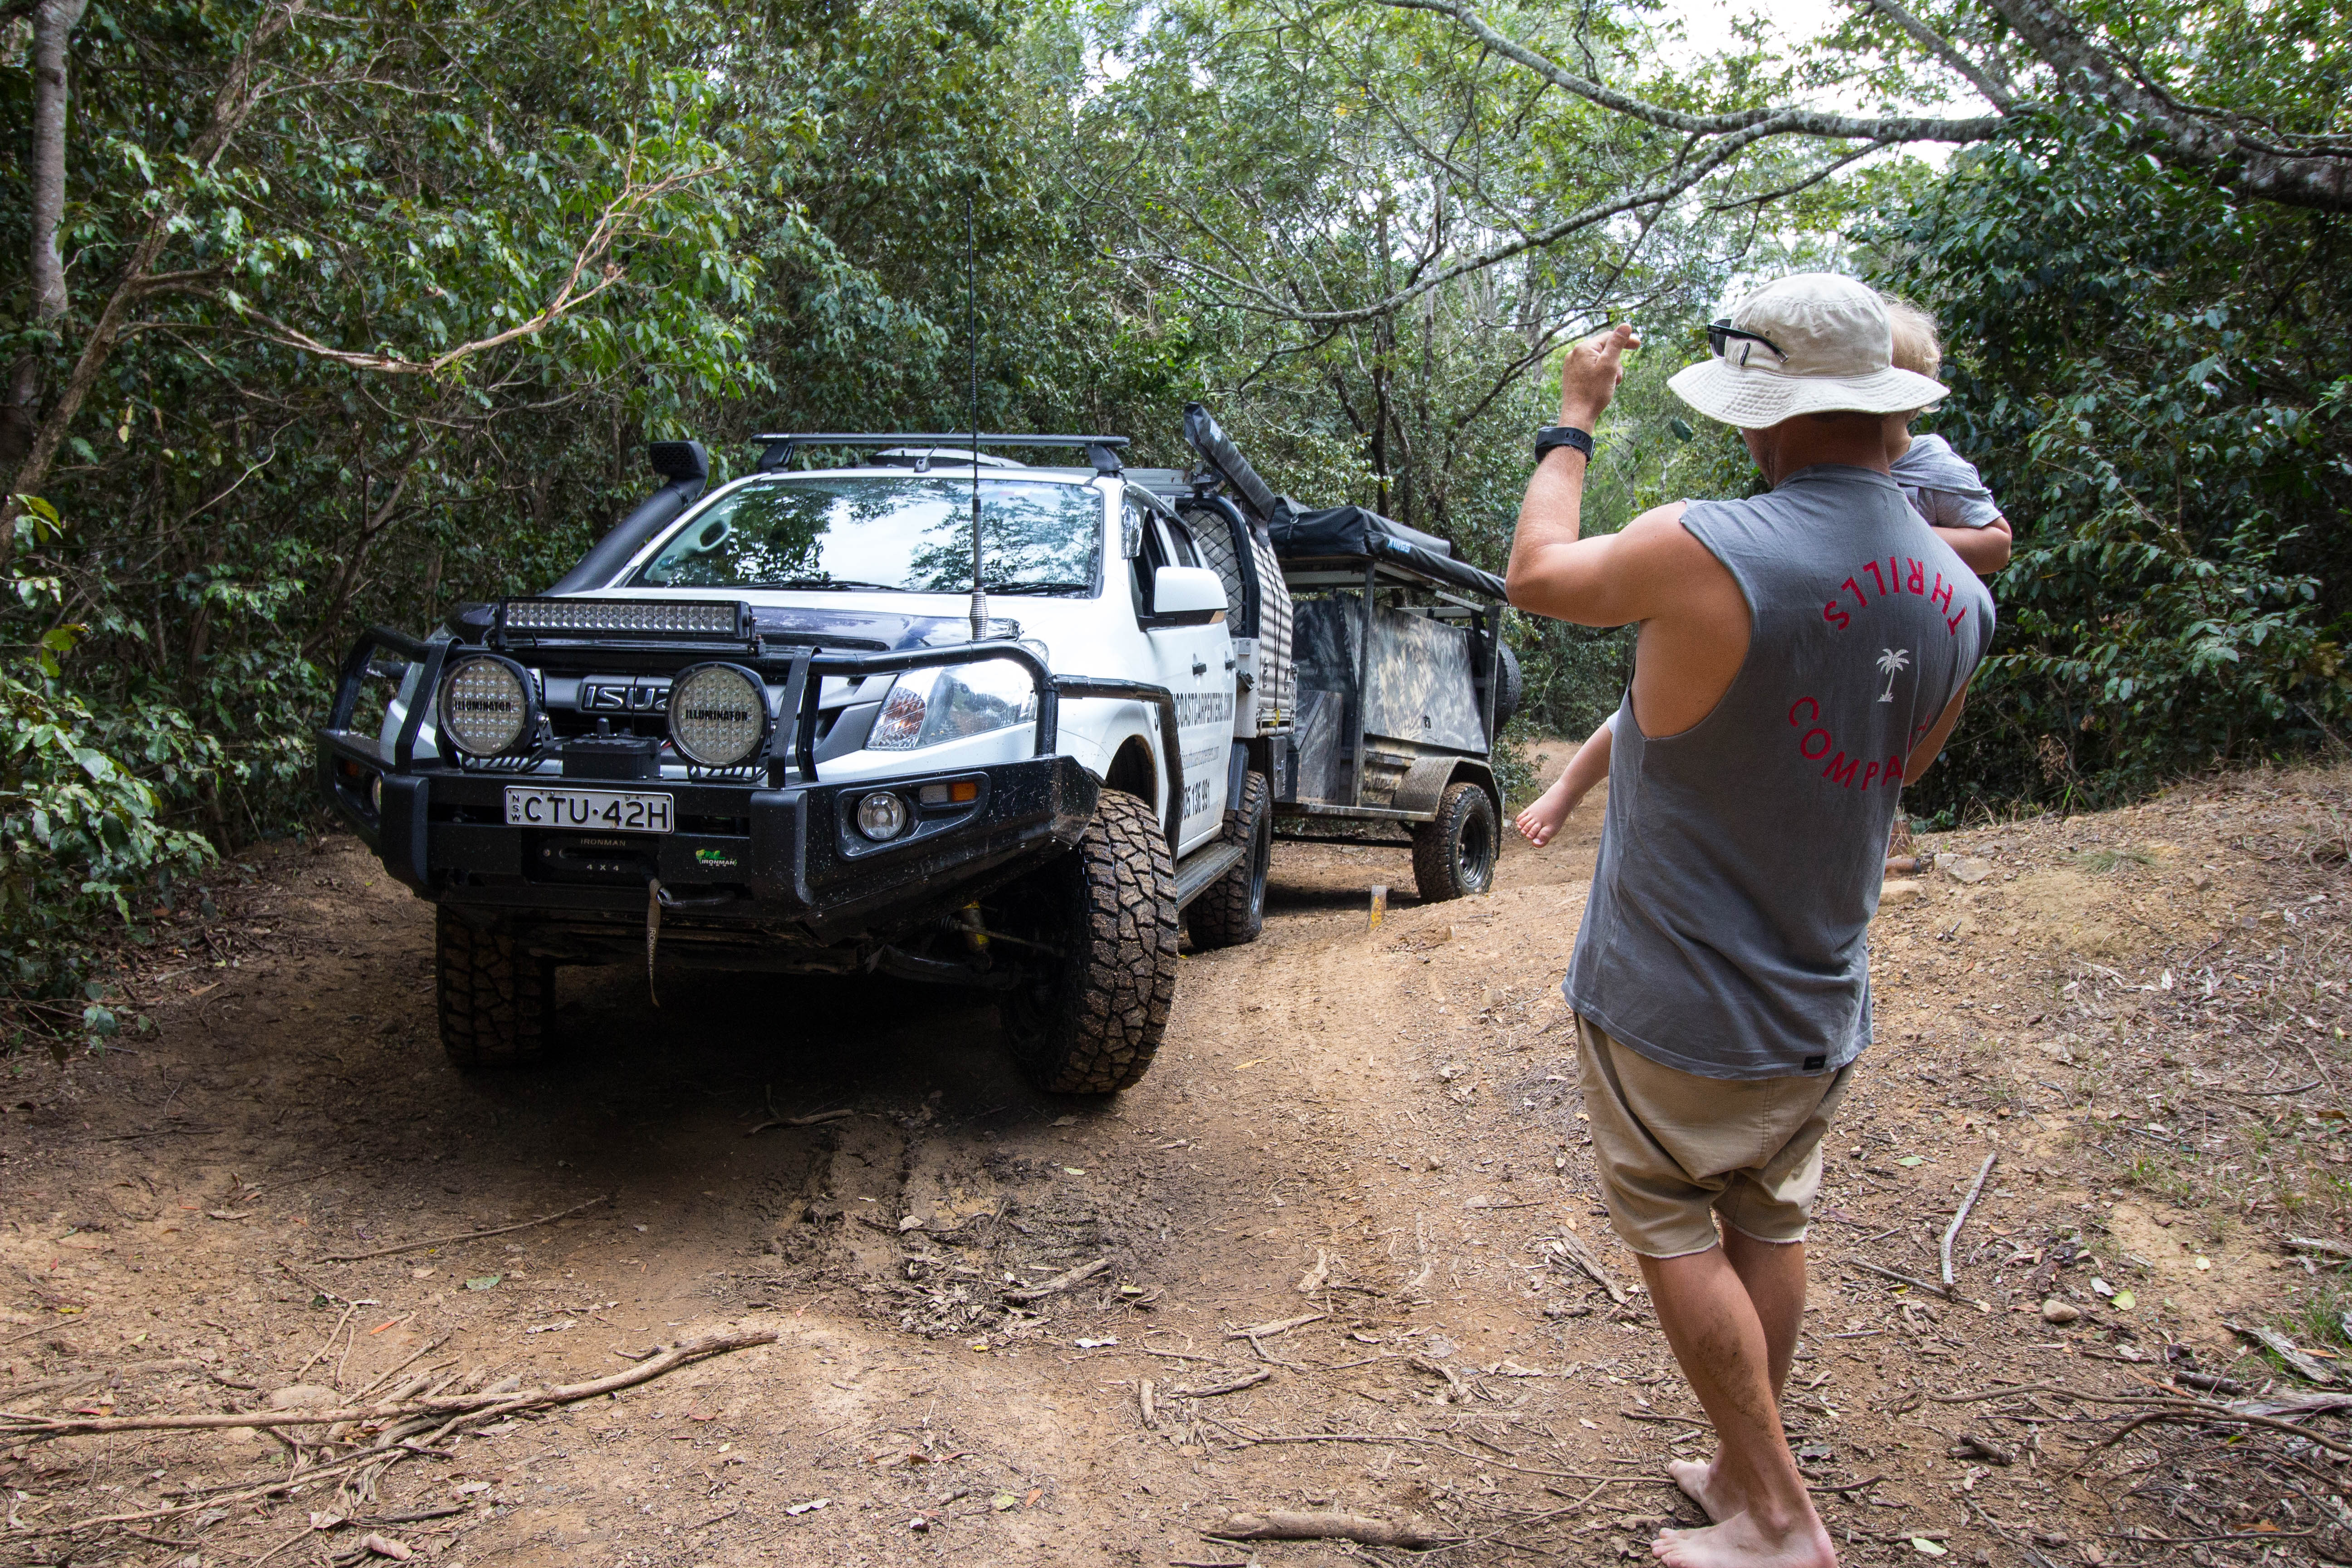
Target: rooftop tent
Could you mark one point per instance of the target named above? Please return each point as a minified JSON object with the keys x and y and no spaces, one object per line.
{"x":1352,"y":530}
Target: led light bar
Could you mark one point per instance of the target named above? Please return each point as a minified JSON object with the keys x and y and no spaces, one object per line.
{"x":656,"y":617}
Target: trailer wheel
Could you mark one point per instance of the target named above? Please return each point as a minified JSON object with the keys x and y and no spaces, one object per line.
{"x":1232,"y":910}
{"x":1454,"y":856}
{"x":1089,"y":1021}
{"x":495,"y":999}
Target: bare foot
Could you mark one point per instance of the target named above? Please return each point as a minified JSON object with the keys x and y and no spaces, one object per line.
{"x":1542,"y":818}
{"x":1698,"y":1481}
{"x":1741,"y":1543}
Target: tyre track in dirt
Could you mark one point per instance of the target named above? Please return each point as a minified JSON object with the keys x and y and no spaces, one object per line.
{"x":1378,"y":1129}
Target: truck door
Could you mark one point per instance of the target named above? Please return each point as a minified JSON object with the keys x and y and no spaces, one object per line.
{"x":1195,"y":663}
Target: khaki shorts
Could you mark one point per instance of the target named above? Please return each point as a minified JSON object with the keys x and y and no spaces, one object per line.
{"x":1675,"y":1150}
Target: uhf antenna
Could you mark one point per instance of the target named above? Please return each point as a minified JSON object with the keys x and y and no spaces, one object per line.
{"x":971,"y":340}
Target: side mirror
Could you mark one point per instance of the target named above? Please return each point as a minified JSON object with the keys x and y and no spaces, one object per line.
{"x":1187,"y":597}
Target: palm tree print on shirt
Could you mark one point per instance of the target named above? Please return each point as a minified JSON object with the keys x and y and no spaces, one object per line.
{"x":1893,"y":661}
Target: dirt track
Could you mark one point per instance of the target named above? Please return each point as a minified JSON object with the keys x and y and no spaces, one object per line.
{"x":1379,"y":1128}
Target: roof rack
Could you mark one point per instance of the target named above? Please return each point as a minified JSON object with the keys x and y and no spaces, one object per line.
{"x":1102,"y":451}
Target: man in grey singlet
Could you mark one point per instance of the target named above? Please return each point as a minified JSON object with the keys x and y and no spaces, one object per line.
{"x":1801,"y":655}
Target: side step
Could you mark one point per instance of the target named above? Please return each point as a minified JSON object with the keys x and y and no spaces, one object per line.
{"x":1202,"y":867}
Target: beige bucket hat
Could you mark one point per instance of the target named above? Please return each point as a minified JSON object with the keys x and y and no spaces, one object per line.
{"x":1807,"y":343}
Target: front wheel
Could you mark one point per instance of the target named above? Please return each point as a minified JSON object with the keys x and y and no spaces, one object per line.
{"x":1232,"y":909}
{"x":1088,"y":1019}
{"x":1453,"y":857}
{"x":495,"y":999}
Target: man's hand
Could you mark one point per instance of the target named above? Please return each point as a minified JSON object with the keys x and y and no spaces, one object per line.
{"x":1588,"y":377}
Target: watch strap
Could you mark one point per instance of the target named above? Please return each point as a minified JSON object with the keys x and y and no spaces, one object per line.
{"x":1555,"y":436}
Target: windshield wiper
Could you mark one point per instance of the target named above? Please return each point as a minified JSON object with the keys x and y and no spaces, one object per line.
{"x":1008,"y":588}
{"x":845,"y":583}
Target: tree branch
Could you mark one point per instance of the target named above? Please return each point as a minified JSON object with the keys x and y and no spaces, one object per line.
{"x":1995,"y":90}
{"x":1787,"y":120}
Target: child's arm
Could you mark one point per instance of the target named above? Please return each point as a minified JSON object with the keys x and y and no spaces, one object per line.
{"x":1542,"y":819}
{"x":1984,"y":550}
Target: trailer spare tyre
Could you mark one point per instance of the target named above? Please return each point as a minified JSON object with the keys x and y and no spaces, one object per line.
{"x":1509,"y":688}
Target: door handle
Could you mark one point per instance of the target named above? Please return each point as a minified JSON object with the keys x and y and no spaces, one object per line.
{"x":1199,"y":668}
{"x":1229,"y":662}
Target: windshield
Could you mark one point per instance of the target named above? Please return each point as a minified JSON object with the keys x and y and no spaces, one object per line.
{"x":905,"y":535}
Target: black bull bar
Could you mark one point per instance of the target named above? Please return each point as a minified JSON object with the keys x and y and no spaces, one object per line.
{"x":392,"y":815}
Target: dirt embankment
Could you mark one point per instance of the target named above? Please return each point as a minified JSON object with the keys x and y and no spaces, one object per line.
{"x":1370,"y":1138}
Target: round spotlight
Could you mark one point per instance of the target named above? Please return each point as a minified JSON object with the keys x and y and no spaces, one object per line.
{"x":717,"y":715}
{"x":882,"y":816}
{"x":486,"y":707}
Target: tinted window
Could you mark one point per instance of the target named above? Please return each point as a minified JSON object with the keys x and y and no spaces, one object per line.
{"x":910,"y":534}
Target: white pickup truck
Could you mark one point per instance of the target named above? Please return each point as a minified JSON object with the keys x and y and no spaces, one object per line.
{"x":772,"y":727}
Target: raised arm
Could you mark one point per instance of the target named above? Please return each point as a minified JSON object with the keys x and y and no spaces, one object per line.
{"x":1554,"y":570}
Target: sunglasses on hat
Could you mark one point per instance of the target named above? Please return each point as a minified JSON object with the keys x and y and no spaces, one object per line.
{"x":1720,"y":333}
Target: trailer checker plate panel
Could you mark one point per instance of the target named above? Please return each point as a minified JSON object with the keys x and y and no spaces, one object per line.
{"x":612,"y":810}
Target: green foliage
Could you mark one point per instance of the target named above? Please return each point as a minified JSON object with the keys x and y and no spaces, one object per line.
{"x":2151,"y":377}
{"x":80,"y":830}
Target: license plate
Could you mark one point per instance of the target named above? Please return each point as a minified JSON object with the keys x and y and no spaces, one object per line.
{"x":603,"y":810}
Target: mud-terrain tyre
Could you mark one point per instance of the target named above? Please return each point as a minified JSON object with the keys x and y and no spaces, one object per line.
{"x":1232,"y":909}
{"x":495,"y":999}
{"x":1090,"y":1022}
{"x":1453,"y":857}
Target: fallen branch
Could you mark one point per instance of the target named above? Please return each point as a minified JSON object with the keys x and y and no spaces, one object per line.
{"x":1946,"y":1291}
{"x":1952,"y":1231}
{"x":1413,"y":1534}
{"x":486,"y":1406}
{"x":1847,"y":1486}
{"x":1059,"y":1283}
{"x":1569,"y":1245}
{"x":1231,"y":1386}
{"x":2194,"y":1412}
{"x":1280,"y":1326}
{"x":2304,"y":1365}
{"x":821,"y":1116}
{"x":451,"y":1241}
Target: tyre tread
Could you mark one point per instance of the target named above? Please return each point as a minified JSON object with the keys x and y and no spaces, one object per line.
{"x":493,"y":999}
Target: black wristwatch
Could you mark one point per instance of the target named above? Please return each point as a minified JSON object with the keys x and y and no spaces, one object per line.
{"x":1552,"y":436}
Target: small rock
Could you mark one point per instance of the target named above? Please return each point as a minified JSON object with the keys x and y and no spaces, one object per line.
{"x":2054,"y":1311}
{"x":1964,"y":868}
{"x":1899,"y":890}
{"x":302,"y":1396}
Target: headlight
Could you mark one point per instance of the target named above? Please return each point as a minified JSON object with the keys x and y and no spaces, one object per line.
{"x":487,"y":706}
{"x":927,"y":707}
{"x":881,"y":815}
{"x":717,"y":715}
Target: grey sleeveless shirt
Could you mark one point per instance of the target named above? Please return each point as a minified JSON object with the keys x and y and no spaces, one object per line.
{"x":1740,"y":860}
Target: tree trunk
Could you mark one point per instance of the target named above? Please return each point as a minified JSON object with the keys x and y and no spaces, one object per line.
{"x":53,"y":25}
{"x":231,"y":104}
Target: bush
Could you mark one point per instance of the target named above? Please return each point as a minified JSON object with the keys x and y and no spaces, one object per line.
{"x":2151,"y":377}
{"x":81,"y":836}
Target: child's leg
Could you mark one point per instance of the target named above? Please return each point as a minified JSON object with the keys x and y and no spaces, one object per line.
{"x":1542,"y":819}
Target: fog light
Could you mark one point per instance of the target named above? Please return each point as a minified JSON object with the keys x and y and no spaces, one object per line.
{"x":881,"y":816}
{"x":375,"y":794}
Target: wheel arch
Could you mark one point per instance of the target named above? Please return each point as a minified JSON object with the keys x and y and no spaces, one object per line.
{"x":1427,"y":781}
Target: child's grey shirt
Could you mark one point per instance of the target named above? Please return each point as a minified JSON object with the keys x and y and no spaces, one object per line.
{"x":1944,"y":487}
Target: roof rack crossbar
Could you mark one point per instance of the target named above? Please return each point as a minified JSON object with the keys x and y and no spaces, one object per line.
{"x":1102,"y":451}
{"x":963,"y":438}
